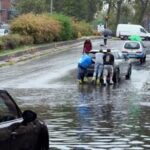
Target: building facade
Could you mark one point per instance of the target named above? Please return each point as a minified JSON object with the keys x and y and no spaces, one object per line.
{"x":5,"y":7}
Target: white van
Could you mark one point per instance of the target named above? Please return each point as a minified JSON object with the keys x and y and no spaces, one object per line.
{"x":125,"y":30}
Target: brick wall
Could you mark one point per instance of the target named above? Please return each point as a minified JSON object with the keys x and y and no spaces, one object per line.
{"x":5,"y":7}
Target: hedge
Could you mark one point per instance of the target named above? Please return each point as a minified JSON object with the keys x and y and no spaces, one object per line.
{"x":32,"y":28}
{"x":42,"y":28}
{"x":14,"y":40}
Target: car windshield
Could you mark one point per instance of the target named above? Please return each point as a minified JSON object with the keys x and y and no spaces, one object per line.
{"x":132,"y":45}
{"x":8,"y":109}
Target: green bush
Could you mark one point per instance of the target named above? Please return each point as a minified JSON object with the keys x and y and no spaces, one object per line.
{"x":41,"y":28}
{"x":46,"y":28}
{"x":66,"y":23}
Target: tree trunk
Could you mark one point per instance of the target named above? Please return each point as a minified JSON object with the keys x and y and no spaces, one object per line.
{"x":119,"y":3}
{"x":144,"y":4}
{"x":109,"y":7}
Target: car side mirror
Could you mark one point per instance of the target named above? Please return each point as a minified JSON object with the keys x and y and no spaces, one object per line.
{"x":28,"y":116}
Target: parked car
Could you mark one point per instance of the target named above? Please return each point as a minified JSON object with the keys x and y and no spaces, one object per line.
{"x":135,"y":49}
{"x":20,"y":131}
{"x":5,"y":26}
{"x":122,"y":65}
{"x":3,"y":32}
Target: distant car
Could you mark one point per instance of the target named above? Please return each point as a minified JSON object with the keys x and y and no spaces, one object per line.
{"x":5,"y":26}
{"x":3,"y":32}
{"x":20,"y":131}
{"x":122,"y":65}
{"x":135,"y":49}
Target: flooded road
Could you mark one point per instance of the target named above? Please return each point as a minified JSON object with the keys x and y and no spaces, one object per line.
{"x":83,"y":117}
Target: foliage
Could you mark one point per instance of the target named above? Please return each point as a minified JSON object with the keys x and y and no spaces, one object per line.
{"x":66,"y":32}
{"x":119,"y":11}
{"x":140,"y":8}
{"x":82,"y":29}
{"x":47,"y":28}
{"x":2,"y":44}
{"x":35,"y":6}
{"x":126,"y":11}
{"x":12,"y":41}
{"x":41,"y":28}
{"x":83,"y":10}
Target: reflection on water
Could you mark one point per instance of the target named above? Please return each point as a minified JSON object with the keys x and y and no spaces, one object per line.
{"x":91,"y":117}
{"x":100,"y":118}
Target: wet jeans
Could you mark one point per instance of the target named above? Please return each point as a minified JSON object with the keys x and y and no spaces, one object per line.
{"x":81,"y":72}
{"x":98,"y":68}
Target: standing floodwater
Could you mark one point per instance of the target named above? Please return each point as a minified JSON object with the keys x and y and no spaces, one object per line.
{"x":83,"y":117}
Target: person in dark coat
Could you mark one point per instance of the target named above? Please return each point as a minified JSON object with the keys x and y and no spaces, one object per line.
{"x":108,"y":66}
{"x":105,"y":38}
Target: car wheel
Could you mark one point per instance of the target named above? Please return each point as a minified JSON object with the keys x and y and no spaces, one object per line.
{"x":146,"y":38}
{"x":141,"y":60}
{"x":43,"y":141}
{"x":116,"y":76}
{"x":144,"y":59}
{"x":129,"y":73}
{"x":125,"y":37}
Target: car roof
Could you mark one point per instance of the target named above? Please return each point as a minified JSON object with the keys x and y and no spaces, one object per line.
{"x":104,"y":50}
{"x":129,"y":41}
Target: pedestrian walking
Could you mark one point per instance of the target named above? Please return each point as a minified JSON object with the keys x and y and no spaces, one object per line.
{"x":105,"y":38}
{"x":108,"y":67}
{"x":98,"y":67}
{"x":87,"y":47}
{"x":84,"y":62}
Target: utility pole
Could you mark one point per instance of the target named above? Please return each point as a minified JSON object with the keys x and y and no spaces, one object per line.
{"x":51,"y":6}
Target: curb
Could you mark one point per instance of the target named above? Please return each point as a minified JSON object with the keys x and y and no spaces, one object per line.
{"x":41,"y":48}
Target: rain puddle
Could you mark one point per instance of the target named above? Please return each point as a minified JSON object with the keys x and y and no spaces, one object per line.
{"x":90,"y":117}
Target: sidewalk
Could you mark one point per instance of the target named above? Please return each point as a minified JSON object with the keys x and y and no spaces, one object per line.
{"x":35,"y":51}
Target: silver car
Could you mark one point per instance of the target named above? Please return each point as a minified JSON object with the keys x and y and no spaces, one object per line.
{"x":122,"y":65}
{"x":135,"y":49}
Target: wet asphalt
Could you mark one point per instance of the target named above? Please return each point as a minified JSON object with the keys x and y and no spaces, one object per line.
{"x":83,"y":117}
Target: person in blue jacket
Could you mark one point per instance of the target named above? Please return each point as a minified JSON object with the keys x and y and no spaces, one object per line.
{"x":84,"y":62}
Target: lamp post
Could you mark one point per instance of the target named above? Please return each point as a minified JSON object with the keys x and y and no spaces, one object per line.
{"x":51,"y":6}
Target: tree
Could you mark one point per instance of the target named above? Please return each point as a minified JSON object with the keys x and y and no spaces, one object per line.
{"x":36,"y":6}
{"x":83,"y":10}
{"x":119,"y":4}
{"x":143,"y":6}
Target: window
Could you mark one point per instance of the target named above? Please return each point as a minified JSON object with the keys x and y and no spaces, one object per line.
{"x":143,"y":45}
{"x":8,"y":109}
{"x":6,"y":31}
{"x":120,"y":56}
{"x":132,"y":45}
{"x":142,"y":30}
{"x":115,"y":55}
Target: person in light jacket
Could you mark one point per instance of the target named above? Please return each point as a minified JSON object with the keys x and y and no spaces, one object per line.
{"x":98,"y":67}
